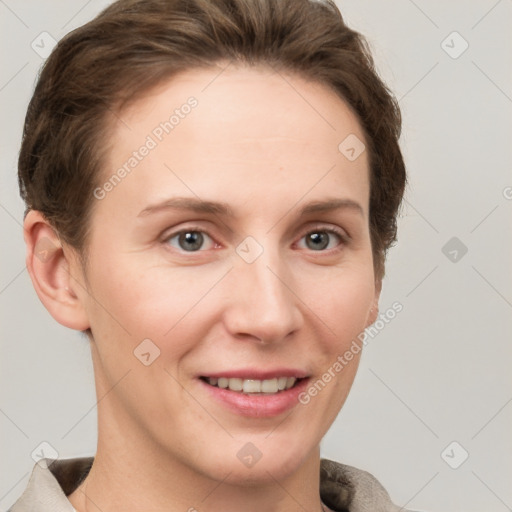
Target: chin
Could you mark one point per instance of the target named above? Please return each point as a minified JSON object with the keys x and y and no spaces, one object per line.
{"x":260,"y":461}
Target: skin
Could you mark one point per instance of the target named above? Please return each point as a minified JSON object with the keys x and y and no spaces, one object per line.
{"x":267,"y":144}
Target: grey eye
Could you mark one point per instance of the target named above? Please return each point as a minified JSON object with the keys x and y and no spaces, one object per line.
{"x":188,"y":240}
{"x":319,"y":240}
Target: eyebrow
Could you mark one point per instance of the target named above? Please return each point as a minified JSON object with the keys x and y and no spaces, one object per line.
{"x":220,"y":208}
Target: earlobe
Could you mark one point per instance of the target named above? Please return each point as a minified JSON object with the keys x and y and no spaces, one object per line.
{"x":52,"y":274}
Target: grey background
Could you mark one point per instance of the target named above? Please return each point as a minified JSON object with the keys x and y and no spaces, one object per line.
{"x":439,"y":372}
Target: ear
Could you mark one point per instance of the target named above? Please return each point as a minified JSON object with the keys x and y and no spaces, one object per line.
{"x":54,"y":272}
{"x":374,"y":311}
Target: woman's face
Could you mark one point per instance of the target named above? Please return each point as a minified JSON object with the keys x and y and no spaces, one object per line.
{"x":213,"y":263}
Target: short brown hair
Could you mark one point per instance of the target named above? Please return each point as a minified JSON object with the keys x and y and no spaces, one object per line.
{"x":134,"y":45}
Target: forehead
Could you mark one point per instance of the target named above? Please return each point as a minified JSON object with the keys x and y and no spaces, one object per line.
{"x":245,"y":127}
{"x":259,"y":99}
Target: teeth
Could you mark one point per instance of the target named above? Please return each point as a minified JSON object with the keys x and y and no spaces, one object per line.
{"x":251,"y":386}
{"x":281,"y":383}
{"x":267,"y":386}
{"x":235,"y":384}
{"x":290,"y":382}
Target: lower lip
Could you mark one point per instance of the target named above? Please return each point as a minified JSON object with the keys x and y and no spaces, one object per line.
{"x":257,"y":405}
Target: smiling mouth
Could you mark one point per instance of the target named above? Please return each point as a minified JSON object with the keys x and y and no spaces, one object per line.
{"x":253,"y":386}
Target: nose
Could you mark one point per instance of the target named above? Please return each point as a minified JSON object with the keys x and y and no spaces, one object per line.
{"x":263,"y":306}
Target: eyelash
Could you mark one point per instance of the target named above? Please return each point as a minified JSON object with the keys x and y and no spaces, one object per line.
{"x":344,"y":238}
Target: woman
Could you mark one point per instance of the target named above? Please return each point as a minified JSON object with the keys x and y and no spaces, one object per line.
{"x":211,"y":188}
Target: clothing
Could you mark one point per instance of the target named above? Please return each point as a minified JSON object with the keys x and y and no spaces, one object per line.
{"x":342,"y":488}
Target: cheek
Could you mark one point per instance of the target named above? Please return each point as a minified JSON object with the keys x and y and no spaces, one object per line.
{"x":342,"y":301}
{"x":341,"y":308}
{"x":174,"y":307}
{"x":133,"y":302}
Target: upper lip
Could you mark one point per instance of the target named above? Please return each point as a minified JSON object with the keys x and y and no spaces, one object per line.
{"x":257,"y":374}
